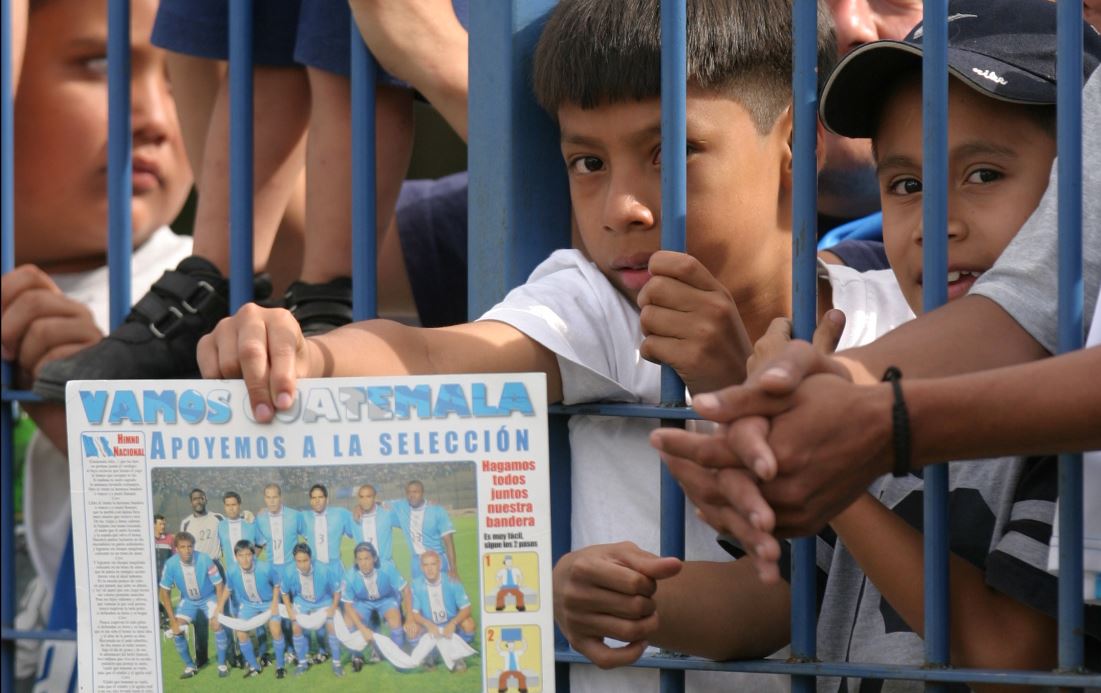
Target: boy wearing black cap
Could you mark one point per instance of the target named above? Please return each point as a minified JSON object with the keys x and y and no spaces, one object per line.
{"x":1001,"y":147}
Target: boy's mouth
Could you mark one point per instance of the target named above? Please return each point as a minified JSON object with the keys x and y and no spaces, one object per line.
{"x":146,"y":175}
{"x":634,"y":271}
{"x":960,"y":282}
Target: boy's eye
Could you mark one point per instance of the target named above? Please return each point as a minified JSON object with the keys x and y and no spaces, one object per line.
{"x":587,"y":164}
{"x":96,"y":64}
{"x":688,"y":148}
{"x":984,"y":175}
{"x":905,"y":186}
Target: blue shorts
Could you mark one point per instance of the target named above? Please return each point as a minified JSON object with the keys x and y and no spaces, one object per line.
{"x":432,"y":228}
{"x":315,"y":33}
{"x":378,"y":607}
{"x":188,"y":608}
{"x":249,"y":610}
{"x":308,"y":607}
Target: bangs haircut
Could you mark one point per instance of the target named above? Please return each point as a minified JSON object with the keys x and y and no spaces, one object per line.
{"x":595,"y":52}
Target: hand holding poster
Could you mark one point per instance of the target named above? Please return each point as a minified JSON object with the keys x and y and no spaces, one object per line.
{"x":386,"y":529}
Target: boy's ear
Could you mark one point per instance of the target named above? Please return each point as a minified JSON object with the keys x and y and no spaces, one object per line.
{"x":787,"y":122}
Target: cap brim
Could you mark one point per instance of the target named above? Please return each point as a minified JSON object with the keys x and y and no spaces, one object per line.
{"x":854,"y":92}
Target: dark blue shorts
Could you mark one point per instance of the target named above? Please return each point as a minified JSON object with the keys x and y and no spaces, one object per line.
{"x":315,"y":33}
{"x":432,"y":228}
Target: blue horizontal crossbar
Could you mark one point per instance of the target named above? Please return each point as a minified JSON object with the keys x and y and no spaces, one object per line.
{"x":636,"y":411}
{"x":18,"y":396}
{"x":854,"y":669}
{"x":15,"y":634}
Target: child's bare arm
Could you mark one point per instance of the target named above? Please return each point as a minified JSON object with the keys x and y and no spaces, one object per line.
{"x":623,"y":592}
{"x":722,"y":611}
{"x":691,"y":323}
{"x":265,"y":347}
{"x":981,"y":618}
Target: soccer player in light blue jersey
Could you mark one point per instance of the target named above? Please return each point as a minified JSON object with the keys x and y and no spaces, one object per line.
{"x":308,"y":586}
{"x":375,"y":523}
{"x":440,"y":604}
{"x":278,"y":526}
{"x":234,"y":527}
{"x":255,"y":585}
{"x":324,"y":527}
{"x":373,"y":589}
{"x":427,"y":527}
{"x":194,"y":574}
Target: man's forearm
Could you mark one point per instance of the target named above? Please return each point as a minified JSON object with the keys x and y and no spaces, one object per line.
{"x":1049,"y":406}
{"x":967,"y":335}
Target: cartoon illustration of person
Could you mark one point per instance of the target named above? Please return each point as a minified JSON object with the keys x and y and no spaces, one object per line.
{"x":511,"y":651}
{"x":509,"y":580}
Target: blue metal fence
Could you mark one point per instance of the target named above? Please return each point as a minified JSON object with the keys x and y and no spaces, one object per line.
{"x":520,"y":212}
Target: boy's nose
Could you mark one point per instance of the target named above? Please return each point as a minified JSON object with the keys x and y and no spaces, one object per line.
{"x":855,"y":23}
{"x":152,"y":111}
{"x":625,"y":210}
{"x":957,"y":230}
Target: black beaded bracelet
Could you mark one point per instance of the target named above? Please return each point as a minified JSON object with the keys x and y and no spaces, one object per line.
{"x":900,"y":420}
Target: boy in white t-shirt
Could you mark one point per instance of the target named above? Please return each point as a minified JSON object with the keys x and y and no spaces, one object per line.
{"x":55,"y":301}
{"x":598,"y":321}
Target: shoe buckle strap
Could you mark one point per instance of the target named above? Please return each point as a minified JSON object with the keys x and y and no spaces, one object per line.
{"x":167,"y":323}
{"x":198,"y":298}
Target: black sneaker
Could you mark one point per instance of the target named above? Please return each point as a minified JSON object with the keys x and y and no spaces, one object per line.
{"x":280,"y":673}
{"x":320,"y":308}
{"x":357,"y":664}
{"x":159,"y":336}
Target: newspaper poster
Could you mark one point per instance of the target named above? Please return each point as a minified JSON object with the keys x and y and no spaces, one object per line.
{"x":388,"y":533}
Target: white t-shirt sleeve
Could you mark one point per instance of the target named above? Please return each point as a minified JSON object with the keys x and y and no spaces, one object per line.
{"x":569,"y":307}
{"x":871,"y":301}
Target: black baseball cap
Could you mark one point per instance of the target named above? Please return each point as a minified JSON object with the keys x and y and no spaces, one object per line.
{"x":1004,"y":49}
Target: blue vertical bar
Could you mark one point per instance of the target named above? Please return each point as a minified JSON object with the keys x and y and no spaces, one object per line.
{"x":240,"y":153}
{"x":364,"y":192}
{"x":935,"y":293}
{"x":674,"y":138}
{"x":1069,"y":76}
{"x":120,"y":173}
{"x":674,"y":201}
{"x":519,"y":212}
{"x":7,"y":445}
{"x":804,"y":292}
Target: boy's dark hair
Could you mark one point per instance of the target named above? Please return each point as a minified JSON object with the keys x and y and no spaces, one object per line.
{"x":182,"y":537}
{"x":244,"y":545}
{"x":158,"y":516}
{"x":368,"y":547}
{"x":232,"y":494}
{"x":594,"y":52}
{"x":302,"y":547}
{"x":319,"y":487}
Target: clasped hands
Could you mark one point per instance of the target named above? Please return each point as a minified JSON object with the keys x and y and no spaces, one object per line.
{"x":796,"y":443}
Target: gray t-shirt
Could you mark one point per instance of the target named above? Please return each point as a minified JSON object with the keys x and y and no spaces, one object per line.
{"x":1024,"y":280}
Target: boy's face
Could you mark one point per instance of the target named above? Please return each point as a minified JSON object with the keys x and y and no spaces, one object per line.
{"x":613,"y":160}
{"x":999,"y":161}
{"x":61,"y":135}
